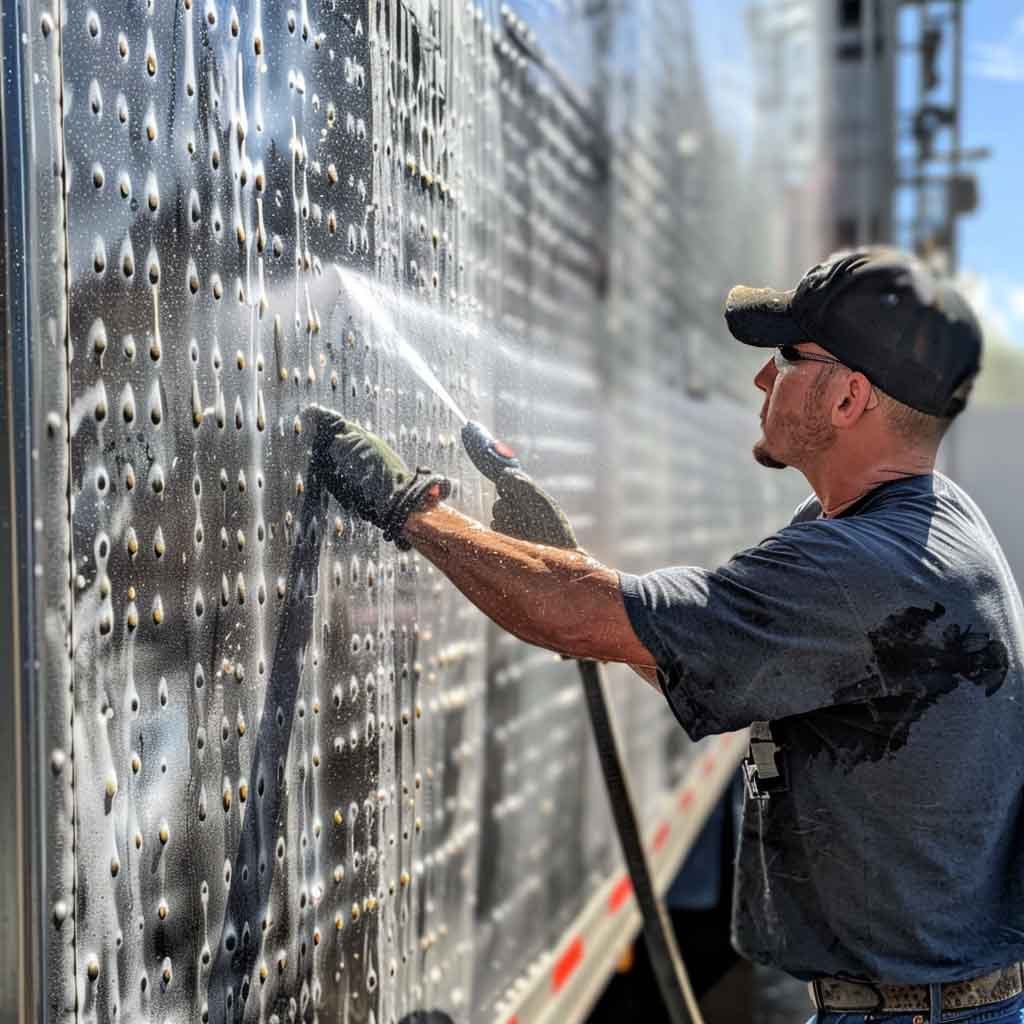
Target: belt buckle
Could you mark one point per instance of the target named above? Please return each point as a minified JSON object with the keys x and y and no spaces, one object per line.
{"x":763,"y":770}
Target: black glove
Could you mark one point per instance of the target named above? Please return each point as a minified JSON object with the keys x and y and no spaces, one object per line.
{"x":368,"y":477}
{"x":525,"y":511}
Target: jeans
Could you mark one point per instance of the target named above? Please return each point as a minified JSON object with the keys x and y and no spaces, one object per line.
{"x":1008,"y":1011}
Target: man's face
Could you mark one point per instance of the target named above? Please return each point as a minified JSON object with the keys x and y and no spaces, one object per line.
{"x":796,"y":423}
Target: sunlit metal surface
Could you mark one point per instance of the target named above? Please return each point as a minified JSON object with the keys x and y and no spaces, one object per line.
{"x":284,"y":771}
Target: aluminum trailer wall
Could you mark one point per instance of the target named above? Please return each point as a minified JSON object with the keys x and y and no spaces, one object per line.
{"x":258,"y":764}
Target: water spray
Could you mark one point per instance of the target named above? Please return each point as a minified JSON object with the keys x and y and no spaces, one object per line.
{"x":373,"y":304}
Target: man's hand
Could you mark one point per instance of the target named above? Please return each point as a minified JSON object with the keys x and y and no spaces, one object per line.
{"x":368,"y":477}
{"x":525,"y":511}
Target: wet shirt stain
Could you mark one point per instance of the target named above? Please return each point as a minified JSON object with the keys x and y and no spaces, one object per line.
{"x":883,"y":649}
{"x":866,"y":723}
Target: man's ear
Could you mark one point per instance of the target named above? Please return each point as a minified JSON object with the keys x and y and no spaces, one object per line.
{"x":856,"y":398}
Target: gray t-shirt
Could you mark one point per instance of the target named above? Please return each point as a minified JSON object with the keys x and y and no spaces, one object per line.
{"x":884,"y":650}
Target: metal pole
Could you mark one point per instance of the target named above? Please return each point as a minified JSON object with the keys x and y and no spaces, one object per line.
{"x":920,"y":195}
{"x":868,"y":88}
{"x":954,"y":254}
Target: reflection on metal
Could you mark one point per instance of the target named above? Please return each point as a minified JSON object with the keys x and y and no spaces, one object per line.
{"x":214,"y":683}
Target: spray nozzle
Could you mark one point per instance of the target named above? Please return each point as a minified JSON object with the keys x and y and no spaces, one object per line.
{"x":490,"y":456}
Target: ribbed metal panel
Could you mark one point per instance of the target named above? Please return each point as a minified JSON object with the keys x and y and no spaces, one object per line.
{"x":263,"y":765}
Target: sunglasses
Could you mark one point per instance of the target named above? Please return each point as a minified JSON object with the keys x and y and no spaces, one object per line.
{"x":790,"y":355}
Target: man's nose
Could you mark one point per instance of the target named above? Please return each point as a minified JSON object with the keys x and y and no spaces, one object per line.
{"x":766,"y":376}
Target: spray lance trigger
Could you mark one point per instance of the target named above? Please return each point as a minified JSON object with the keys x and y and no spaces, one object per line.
{"x":490,"y":456}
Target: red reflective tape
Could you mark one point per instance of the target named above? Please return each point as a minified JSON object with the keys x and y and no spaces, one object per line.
{"x":709,"y":764}
{"x":567,"y":963}
{"x":661,"y":836}
{"x":622,"y":891}
{"x":512,"y":1020}
{"x":686,"y":799}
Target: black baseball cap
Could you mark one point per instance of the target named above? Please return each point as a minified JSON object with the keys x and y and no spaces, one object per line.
{"x":879,"y":311}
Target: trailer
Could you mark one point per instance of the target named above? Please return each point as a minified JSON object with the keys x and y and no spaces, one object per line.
{"x":259,"y":764}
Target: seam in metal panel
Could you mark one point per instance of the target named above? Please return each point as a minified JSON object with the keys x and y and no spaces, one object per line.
{"x":68,"y":497}
{"x":21,"y":937}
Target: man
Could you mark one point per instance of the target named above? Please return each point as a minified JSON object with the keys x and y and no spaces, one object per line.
{"x":874,"y":646}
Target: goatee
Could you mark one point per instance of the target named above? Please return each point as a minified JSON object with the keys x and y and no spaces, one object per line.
{"x":763,"y":458}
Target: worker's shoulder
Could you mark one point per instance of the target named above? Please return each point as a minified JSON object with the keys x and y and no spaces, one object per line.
{"x":923,"y":527}
{"x":909,"y":505}
{"x":887,"y":526}
{"x":901,"y":522}
{"x":817,"y":541}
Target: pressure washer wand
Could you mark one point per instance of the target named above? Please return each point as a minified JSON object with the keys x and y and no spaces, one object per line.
{"x":492,"y":458}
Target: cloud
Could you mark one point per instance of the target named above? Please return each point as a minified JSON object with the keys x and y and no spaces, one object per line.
{"x":1002,"y":61}
{"x":998,"y":303}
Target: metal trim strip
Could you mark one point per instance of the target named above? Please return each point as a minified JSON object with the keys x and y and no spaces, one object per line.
{"x":563,"y":984}
{"x":22,"y":942}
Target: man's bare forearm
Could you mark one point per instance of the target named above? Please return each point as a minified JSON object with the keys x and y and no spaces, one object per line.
{"x":560,"y":599}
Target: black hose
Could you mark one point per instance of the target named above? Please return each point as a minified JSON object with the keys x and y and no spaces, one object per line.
{"x":669,"y":970}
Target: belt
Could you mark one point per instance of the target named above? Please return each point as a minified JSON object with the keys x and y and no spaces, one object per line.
{"x":842,"y":994}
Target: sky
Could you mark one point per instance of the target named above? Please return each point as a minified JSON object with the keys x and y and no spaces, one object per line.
{"x":991,"y":253}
